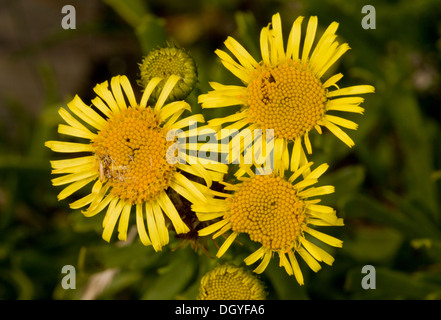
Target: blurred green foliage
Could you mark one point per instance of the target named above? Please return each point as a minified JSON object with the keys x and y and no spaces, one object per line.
{"x":387,"y":186}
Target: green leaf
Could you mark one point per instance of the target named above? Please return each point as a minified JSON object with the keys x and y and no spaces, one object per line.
{"x":174,"y":278}
{"x":372,"y":244}
{"x":366,"y":207}
{"x":248,"y":32}
{"x":132,"y":11}
{"x":148,"y":28}
{"x":414,"y":137}
{"x":121,"y":281}
{"x":346,"y":180}
{"x":133,"y":256}
{"x":281,"y":286}
{"x":390,"y":284}
{"x":150,"y":32}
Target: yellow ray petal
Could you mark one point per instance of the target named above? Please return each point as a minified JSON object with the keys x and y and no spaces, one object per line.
{"x":68,"y":147}
{"x":307,"y":142}
{"x":284,"y":262}
{"x":124,"y":222}
{"x":186,"y":121}
{"x":310,"y":261}
{"x":83,"y":201}
{"x":295,"y":156}
{"x":153,"y":228}
{"x":360,"y":89}
{"x":265,"y":261}
{"x":345,"y":108}
{"x":264,"y":45}
{"x":341,"y":122}
{"x":97,"y":102}
{"x":212,"y":228}
{"x":296,"y":268}
{"x":72,"y":177}
{"x":304,"y":184}
{"x":241,"y":53}
{"x":330,"y":60}
{"x":299,"y":171}
{"x":86,"y":113}
{"x":70,"y":120}
{"x":318,"y":253}
{"x":309,"y":38}
{"x":333,"y":80}
{"x":141,"y":225}
{"x":224,"y":247}
{"x":230,"y":118}
{"x":83,"y":167}
{"x":319,"y":191}
{"x":97,"y":205}
{"x":102,"y":90}
{"x":76,"y":132}
{"x":324,"y":44}
{"x":317,"y":172}
{"x":239,"y":71}
{"x":183,"y":191}
{"x":127,"y":87}
{"x":295,"y":35}
{"x":69,"y":163}
{"x":224,"y":229}
{"x":160,"y":223}
{"x":171,"y":212}
{"x":277,"y":34}
{"x":168,"y":87}
{"x":172,"y":108}
{"x":206,"y":216}
{"x":112,"y":215}
{"x":148,"y":91}
{"x":325,"y":238}
{"x":117,"y":92}
{"x":256,"y":255}
{"x":74,"y":187}
{"x":339,"y":133}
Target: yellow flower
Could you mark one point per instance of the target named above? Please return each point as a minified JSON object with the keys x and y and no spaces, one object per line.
{"x":127,"y":157}
{"x":227,"y":282}
{"x":285,"y":91}
{"x":278,"y":214}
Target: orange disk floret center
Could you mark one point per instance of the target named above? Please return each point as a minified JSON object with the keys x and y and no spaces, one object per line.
{"x":287,"y":98}
{"x":131,"y":153}
{"x":269,"y":211}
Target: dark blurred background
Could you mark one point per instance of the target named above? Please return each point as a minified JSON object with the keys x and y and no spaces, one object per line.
{"x":387,"y":186}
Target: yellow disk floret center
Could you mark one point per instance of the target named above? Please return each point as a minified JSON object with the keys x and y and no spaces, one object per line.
{"x":131,"y":153}
{"x":269,"y":211}
{"x":287,"y":98}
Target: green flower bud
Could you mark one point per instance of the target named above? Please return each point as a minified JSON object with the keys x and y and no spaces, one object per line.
{"x":167,"y":61}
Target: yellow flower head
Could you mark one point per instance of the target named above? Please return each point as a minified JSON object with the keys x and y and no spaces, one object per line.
{"x":127,"y":158}
{"x":284,"y":91}
{"x":278,"y":214}
{"x":227,"y":282}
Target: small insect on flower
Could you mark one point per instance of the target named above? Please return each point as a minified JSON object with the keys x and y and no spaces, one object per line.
{"x":101,"y":171}
{"x":105,"y":167}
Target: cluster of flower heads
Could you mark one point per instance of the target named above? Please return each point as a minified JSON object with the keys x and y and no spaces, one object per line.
{"x":125,"y":157}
